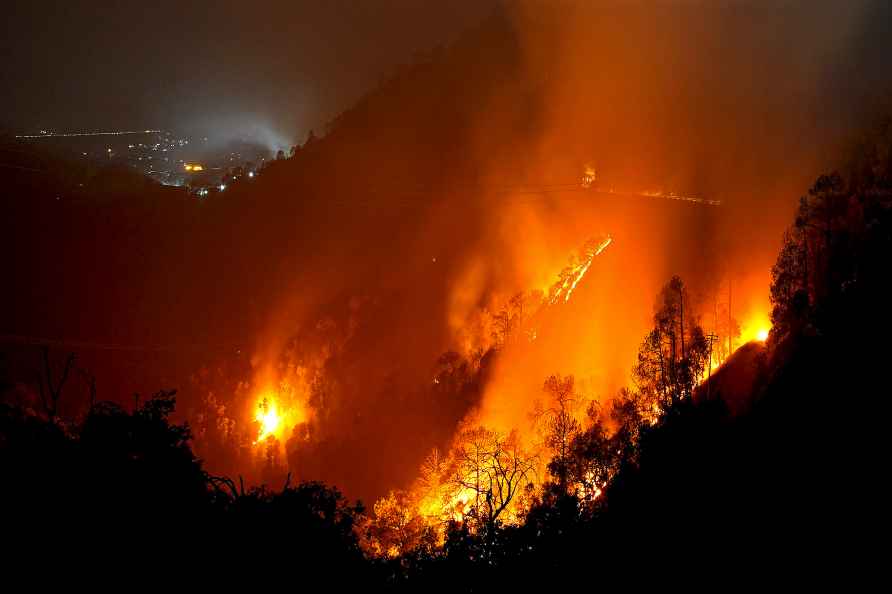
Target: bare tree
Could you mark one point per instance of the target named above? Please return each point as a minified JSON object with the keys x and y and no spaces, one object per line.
{"x":51,"y":390}
{"x":493,"y":468}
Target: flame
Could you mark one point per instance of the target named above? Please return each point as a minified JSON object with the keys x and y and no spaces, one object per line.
{"x":274,"y":418}
{"x":601,"y":247}
{"x":440,"y":497}
{"x":755,"y":328}
{"x":269,"y":419}
{"x":573,"y":274}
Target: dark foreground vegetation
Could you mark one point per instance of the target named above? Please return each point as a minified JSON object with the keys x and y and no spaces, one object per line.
{"x":791,"y":480}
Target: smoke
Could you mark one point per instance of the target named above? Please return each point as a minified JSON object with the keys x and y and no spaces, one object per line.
{"x":247,"y":129}
{"x":427,"y":208}
{"x":339,"y":278}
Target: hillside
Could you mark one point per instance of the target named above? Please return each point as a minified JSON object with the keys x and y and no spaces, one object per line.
{"x":373,"y":251}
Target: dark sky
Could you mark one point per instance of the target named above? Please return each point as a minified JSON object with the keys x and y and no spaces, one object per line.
{"x":286,"y":65}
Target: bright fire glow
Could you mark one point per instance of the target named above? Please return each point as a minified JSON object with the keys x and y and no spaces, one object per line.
{"x":572,"y":276}
{"x":756,"y":327}
{"x":268,"y":417}
{"x":276,"y":415}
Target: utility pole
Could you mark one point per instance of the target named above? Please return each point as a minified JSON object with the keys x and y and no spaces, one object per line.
{"x":710,"y":339}
{"x":729,"y":315}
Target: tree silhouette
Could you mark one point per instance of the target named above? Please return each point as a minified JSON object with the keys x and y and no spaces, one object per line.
{"x":673,"y":356}
{"x":50,"y":389}
{"x":560,"y":425}
{"x":494,"y":469}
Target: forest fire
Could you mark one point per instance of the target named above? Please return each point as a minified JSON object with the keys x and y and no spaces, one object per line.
{"x":530,"y":297}
{"x":455,"y":492}
{"x":275,"y":420}
{"x":495,"y":464}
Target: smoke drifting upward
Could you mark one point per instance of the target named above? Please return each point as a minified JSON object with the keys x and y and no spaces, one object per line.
{"x":254,"y":129}
{"x":418,"y":218}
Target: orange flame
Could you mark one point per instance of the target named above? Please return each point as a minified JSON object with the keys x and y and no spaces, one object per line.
{"x":269,"y":419}
{"x":275,"y":419}
{"x":571,"y":276}
{"x":756,"y":327}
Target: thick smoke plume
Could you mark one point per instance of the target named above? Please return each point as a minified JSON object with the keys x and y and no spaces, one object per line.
{"x":437,"y":204}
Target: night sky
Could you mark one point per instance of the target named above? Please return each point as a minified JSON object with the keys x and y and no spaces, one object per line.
{"x":289,"y":65}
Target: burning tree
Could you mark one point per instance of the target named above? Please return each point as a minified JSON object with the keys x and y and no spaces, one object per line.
{"x":597,"y":452}
{"x":396,"y":527}
{"x":476,"y":487}
{"x":489,"y":471}
{"x":592,"y":460}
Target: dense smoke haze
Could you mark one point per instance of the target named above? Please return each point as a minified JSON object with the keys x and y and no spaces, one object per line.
{"x":438,"y":191}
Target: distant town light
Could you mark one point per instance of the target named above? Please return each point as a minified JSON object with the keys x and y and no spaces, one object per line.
{"x":222,"y":187}
{"x":250,"y":174}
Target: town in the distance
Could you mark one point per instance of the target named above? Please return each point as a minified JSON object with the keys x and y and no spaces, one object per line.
{"x":202,"y":165}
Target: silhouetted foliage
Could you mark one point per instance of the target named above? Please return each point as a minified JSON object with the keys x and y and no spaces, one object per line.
{"x":674,"y":354}
{"x":130,"y":475}
{"x":561,"y":427}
